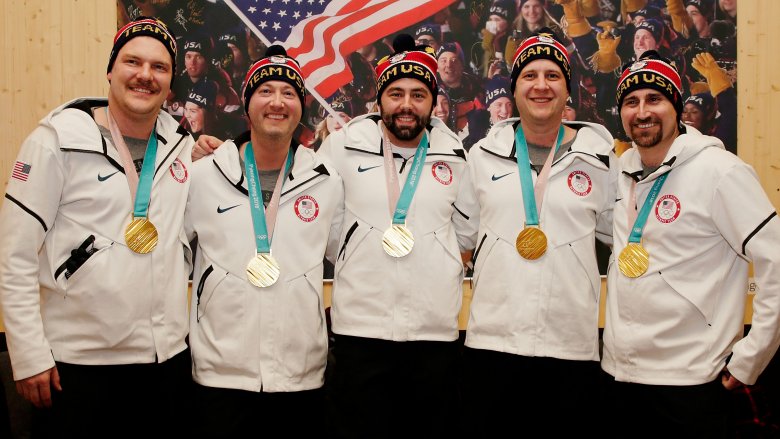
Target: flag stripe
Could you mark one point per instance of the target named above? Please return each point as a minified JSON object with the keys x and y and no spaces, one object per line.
{"x":384,"y":21}
{"x":321,"y":42}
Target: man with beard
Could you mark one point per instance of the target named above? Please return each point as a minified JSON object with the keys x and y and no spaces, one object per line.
{"x":93,"y":269}
{"x":689,"y":219}
{"x":542,"y":193}
{"x":398,"y":273}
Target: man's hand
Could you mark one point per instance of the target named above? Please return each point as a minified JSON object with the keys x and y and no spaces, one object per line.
{"x":728,"y":380}
{"x":37,"y":388}
{"x":205,"y":146}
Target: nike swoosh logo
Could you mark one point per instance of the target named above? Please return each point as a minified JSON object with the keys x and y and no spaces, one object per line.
{"x":221,"y":210}
{"x":362,"y":169}
{"x":101,"y":178}
{"x":494,"y":178}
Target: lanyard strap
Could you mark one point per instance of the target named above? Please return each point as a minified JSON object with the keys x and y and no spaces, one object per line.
{"x":140,"y":189}
{"x":533,"y":195}
{"x":263,"y":233}
{"x":641,"y":220}
{"x":399,"y":204}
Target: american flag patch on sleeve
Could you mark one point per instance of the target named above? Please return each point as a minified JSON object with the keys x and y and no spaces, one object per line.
{"x":21,"y":171}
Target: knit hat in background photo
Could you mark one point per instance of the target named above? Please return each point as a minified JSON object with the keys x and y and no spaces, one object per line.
{"x":408,"y":61}
{"x":431,"y":30}
{"x":648,"y":12}
{"x":203,"y":94}
{"x":503,"y":8}
{"x":497,"y":87}
{"x":705,"y":102}
{"x":655,"y":27}
{"x":705,"y":8}
{"x":274,"y":66}
{"x":543,"y":44}
{"x":198,"y":42}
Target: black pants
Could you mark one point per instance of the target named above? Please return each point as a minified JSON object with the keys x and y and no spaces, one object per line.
{"x":230,"y":413}
{"x":386,"y":389}
{"x":124,"y":401}
{"x":507,"y":395}
{"x":653,"y":411}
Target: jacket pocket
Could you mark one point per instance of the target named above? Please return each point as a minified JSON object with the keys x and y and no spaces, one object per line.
{"x":303,"y":339}
{"x":354,"y":236}
{"x":82,"y":261}
{"x":482,"y":252}
{"x":209,"y":281}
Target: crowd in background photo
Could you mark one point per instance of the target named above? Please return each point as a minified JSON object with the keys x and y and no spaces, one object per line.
{"x":474,"y":42}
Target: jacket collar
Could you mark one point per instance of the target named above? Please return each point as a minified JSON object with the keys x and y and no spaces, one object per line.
{"x":227,"y":159}
{"x":684,"y":147}
{"x":593,"y":141}
{"x":77,"y":131}
{"x":364,"y":134}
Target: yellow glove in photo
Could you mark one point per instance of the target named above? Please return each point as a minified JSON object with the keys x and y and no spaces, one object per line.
{"x":716,"y":77}
{"x":606,"y":59}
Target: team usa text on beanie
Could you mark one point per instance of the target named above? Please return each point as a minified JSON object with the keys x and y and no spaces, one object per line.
{"x":543,"y":44}
{"x":275,"y":66}
{"x":655,"y":72}
{"x":408,"y":61}
{"x":144,"y":27}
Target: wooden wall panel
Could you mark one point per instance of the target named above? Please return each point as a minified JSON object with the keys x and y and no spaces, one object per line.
{"x":52,"y":51}
{"x":758,"y":90}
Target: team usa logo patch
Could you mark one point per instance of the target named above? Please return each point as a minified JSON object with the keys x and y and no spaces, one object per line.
{"x":667,"y":209}
{"x":307,"y":208}
{"x":442,"y":173}
{"x":580,"y":183}
{"x":397,"y":58}
{"x":178,"y":171}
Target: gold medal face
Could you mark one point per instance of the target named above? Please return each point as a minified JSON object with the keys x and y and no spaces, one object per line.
{"x":633,"y":260}
{"x":141,"y":235}
{"x":262,"y":270}
{"x":531,"y":243}
{"x":397,"y":241}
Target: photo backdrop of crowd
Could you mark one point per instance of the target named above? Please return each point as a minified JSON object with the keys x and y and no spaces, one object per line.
{"x":474,"y":40}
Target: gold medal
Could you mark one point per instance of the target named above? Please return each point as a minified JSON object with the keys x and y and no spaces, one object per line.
{"x":633,"y":260}
{"x":141,"y":235}
{"x":262,"y":270}
{"x":531,"y":243}
{"x":397,"y":241}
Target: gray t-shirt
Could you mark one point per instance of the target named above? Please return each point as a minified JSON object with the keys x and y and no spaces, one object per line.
{"x":267,"y":181}
{"x":538,"y":153}
{"x":137,"y":147}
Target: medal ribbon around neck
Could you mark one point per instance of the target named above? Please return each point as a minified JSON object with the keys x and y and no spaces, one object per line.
{"x":263,"y":270}
{"x":634,"y":259}
{"x":531,"y":242}
{"x":140,"y":234}
{"x":398,"y":241}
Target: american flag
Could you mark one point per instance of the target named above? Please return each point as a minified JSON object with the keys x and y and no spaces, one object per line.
{"x":321,"y":33}
{"x":21,"y":171}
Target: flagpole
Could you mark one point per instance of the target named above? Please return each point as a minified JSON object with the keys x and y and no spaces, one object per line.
{"x":267,"y":43}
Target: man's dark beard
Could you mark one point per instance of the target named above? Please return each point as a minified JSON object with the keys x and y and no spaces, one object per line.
{"x":405,"y":133}
{"x":647,"y":141}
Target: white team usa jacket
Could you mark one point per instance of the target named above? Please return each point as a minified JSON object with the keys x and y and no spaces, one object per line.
{"x":118,"y":307}
{"x":546,"y":307}
{"x":415,"y":297}
{"x":677,"y":323}
{"x":271,"y":339}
